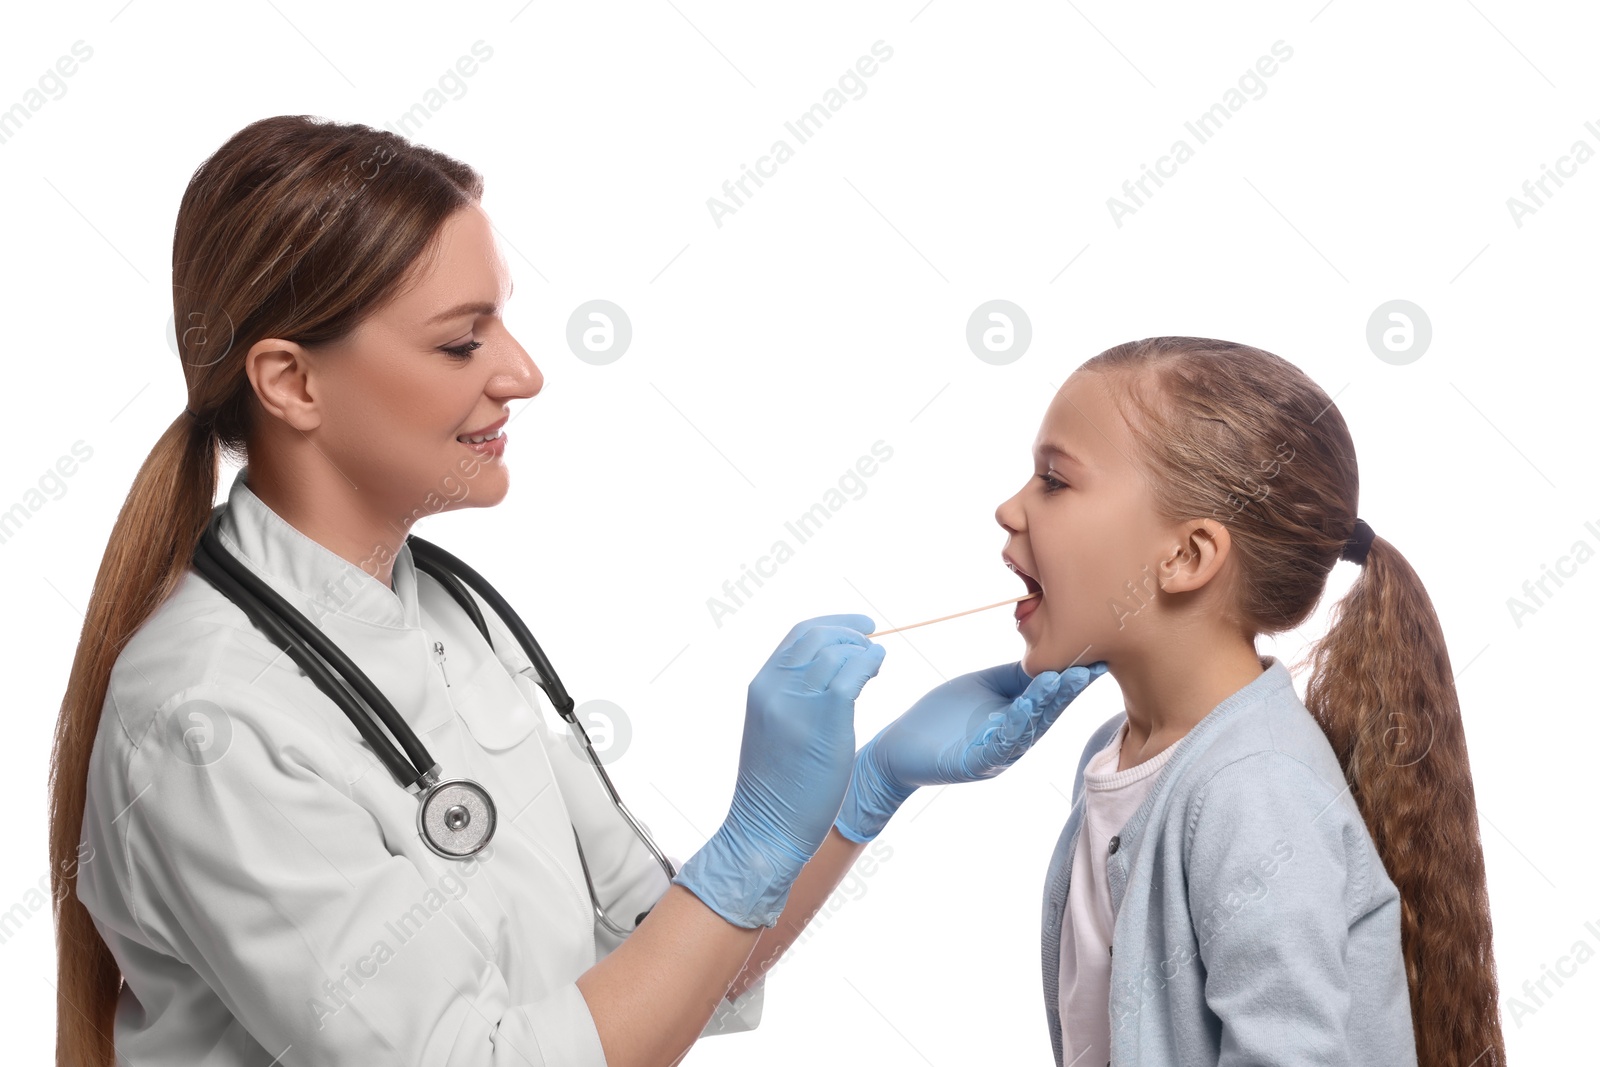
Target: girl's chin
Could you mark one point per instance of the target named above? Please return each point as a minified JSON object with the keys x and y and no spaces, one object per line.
{"x":1037,"y":660}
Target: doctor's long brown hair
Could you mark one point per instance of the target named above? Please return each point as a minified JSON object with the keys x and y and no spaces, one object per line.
{"x":1236,"y":433}
{"x":295,"y":228}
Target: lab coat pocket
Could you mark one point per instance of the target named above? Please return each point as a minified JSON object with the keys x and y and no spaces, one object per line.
{"x":492,"y":707}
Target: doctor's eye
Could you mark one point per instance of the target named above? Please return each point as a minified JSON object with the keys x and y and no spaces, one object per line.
{"x":462,"y":351}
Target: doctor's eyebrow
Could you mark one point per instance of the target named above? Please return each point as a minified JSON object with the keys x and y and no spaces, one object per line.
{"x":476,"y":307}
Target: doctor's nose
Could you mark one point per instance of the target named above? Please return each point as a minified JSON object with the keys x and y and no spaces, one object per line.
{"x":519,"y":378}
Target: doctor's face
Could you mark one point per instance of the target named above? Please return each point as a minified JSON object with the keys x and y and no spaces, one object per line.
{"x":1083,"y":529}
{"x":396,"y":400}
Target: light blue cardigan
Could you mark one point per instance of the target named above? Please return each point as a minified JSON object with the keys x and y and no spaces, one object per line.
{"x":1255,"y":922}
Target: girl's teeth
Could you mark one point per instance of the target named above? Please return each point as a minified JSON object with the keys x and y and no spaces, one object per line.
{"x":480,"y":439}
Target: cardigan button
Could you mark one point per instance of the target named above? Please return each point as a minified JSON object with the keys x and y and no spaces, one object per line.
{"x":1116,"y":840}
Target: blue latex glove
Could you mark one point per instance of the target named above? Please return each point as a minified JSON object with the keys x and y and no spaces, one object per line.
{"x":794,"y":763}
{"x":969,"y":728}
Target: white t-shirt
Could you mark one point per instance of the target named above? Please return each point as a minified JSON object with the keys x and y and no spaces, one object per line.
{"x":1110,"y":797}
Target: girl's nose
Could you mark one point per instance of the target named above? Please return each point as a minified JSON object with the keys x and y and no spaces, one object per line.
{"x":1009,"y":515}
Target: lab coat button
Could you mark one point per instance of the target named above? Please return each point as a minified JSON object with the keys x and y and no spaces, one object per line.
{"x":1115,"y":841}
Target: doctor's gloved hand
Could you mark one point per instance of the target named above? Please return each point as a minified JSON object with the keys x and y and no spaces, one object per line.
{"x":794,"y":763}
{"x":969,"y":728}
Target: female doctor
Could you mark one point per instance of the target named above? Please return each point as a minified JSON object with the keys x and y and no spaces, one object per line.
{"x":239,"y":880}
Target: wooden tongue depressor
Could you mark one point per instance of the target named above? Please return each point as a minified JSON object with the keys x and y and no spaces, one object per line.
{"x":969,"y":611}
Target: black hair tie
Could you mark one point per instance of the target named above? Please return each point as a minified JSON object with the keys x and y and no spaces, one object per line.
{"x":1360,"y":541}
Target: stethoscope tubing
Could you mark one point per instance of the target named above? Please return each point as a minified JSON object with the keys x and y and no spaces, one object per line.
{"x":415,"y":768}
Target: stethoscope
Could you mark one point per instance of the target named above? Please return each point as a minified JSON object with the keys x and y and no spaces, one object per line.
{"x":455,"y":816}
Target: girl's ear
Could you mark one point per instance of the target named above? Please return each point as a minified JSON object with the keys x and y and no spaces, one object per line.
{"x":1198,"y":557}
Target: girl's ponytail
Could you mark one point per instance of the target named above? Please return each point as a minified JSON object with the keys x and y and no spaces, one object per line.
{"x":1383,"y":691}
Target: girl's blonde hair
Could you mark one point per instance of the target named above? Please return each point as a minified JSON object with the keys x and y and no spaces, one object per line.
{"x":1231,"y":432}
{"x":295,"y":228}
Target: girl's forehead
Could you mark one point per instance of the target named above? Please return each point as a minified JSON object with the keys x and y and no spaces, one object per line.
{"x":1081,"y":424}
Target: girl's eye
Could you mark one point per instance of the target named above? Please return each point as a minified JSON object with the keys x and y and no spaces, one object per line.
{"x":1051,"y":482}
{"x":463,"y":351}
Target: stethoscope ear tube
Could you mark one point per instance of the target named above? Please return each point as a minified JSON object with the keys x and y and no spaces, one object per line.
{"x":457,"y":591}
{"x":445,"y":567}
{"x":282,"y":624}
{"x":433,"y":559}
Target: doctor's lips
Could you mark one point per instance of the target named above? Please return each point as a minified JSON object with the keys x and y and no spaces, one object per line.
{"x":490,"y":440}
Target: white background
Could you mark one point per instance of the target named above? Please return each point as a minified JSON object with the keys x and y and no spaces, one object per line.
{"x":829,"y":312}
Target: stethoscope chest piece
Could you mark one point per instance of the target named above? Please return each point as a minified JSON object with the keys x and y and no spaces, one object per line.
{"x":456,"y":818}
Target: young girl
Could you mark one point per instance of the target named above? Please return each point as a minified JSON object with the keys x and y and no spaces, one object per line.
{"x":1257,"y":879}
{"x":1244,"y":878}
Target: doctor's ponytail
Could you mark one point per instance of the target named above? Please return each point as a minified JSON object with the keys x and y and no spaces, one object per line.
{"x":295,"y":228}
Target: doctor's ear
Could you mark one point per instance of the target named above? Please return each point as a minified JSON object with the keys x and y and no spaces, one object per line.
{"x":282,"y":374}
{"x":1202,"y":550}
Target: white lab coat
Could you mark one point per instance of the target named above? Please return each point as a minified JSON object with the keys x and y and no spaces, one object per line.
{"x":257,"y":871}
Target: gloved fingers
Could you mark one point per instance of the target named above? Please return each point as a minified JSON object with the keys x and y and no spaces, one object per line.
{"x":861,"y":623}
{"x":1007,"y":680}
{"x":1022,"y":723}
{"x":809,"y":644}
{"x":823,"y":668}
{"x":1075,"y":680}
{"x":857,"y":670}
{"x":1080,"y":677}
{"x":1071,"y":682}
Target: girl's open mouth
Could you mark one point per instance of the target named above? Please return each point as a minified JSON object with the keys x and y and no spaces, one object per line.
{"x":1027,"y":607}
